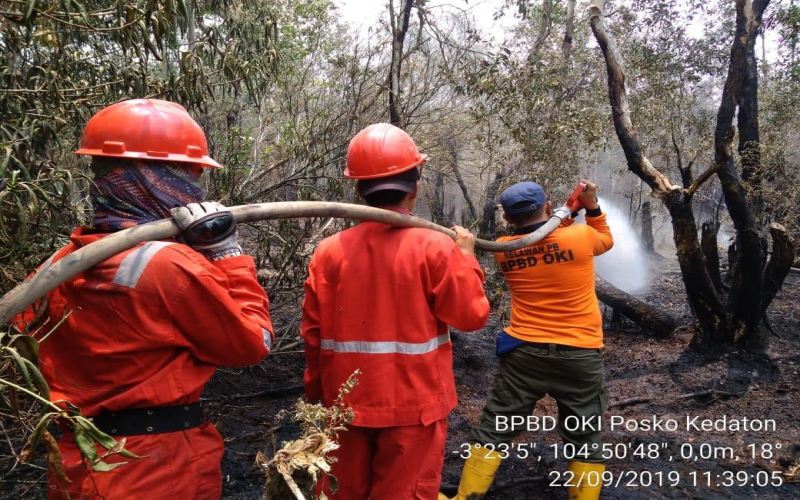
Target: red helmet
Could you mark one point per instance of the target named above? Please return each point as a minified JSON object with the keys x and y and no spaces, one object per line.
{"x":381,"y":150}
{"x":147,"y":129}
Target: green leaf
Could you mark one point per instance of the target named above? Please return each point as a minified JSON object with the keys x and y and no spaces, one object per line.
{"x":101,"y":466}
{"x":29,"y":9}
{"x":101,"y":437}
{"x":22,"y":366}
{"x":27,"y":346}
{"x":85,"y":443}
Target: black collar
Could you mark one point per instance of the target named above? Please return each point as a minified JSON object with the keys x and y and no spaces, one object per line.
{"x":529,"y":229}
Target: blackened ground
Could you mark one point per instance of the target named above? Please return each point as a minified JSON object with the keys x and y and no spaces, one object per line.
{"x":656,"y":377}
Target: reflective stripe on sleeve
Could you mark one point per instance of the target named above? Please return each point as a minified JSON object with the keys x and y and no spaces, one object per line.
{"x":267,"y":338}
{"x":387,"y":347}
{"x":134,"y":264}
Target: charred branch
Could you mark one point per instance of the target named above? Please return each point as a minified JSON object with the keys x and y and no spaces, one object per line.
{"x":620,"y":108}
{"x":685,"y":171}
{"x":778,"y":266}
{"x":747,"y":117}
{"x":643,"y":314}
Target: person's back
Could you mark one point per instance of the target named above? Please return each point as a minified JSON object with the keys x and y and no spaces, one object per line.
{"x":552,"y":284}
{"x":393,"y":291}
{"x":134,"y":333}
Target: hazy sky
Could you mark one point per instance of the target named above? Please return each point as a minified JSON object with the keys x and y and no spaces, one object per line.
{"x":363,"y":14}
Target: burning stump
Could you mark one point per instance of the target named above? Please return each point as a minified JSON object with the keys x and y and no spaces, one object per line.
{"x":298,"y":466}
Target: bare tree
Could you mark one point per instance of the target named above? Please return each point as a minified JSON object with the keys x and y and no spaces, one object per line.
{"x":723,"y":316}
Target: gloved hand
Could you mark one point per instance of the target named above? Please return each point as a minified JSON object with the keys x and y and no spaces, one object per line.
{"x":208,"y":228}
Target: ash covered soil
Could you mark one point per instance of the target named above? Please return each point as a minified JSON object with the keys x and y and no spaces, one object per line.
{"x":646,"y":378}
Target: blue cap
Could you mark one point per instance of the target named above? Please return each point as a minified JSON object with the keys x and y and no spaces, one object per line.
{"x":523,"y":198}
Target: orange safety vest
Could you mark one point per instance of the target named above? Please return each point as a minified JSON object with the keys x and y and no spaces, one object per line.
{"x":552,"y":285}
{"x":380,"y":298}
{"x":147,"y":328}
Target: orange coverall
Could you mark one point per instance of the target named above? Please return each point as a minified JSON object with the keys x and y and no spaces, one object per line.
{"x":379,"y":299}
{"x":147,"y":328}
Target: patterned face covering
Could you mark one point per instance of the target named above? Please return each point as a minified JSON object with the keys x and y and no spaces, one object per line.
{"x":126,"y":196}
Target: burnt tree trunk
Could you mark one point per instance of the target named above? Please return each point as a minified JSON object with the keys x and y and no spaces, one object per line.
{"x":488,"y":224}
{"x":647,"y":228}
{"x":779,"y":265}
{"x":701,"y":293}
{"x":745,"y":303}
{"x":399,"y":25}
{"x":643,"y":314}
{"x":453,"y":150}
{"x":708,"y":241}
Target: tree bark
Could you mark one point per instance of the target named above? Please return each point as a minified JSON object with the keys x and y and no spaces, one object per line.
{"x":544,"y":30}
{"x":453,"y":149}
{"x":704,"y":300}
{"x":708,"y":242}
{"x":643,"y":314}
{"x":569,"y":30}
{"x":488,"y":224}
{"x":780,"y":262}
{"x":747,"y":117}
{"x":399,"y":29}
{"x":745,"y":300}
{"x":620,"y":109}
{"x":647,"y":228}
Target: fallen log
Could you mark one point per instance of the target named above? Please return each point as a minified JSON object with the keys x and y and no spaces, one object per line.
{"x":52,"y":275}
{"x":643,"y":314}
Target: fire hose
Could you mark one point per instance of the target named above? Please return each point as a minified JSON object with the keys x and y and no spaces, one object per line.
{"x":53,"y":274}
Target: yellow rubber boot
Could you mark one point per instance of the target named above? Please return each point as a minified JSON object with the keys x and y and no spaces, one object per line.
{"x":478,"y":473}
{"x":589,"y":480}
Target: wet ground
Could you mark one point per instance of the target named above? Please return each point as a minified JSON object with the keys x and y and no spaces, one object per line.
{"x":647,"y":379}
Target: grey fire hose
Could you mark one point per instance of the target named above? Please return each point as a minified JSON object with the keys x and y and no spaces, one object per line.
{"x":52,"y":275}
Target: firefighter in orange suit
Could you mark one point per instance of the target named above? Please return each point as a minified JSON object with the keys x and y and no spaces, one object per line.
{"x":145,"y":329}
{"x":380,"y":298}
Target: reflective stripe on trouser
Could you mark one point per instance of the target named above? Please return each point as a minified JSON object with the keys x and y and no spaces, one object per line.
{"x":384,"y":347}
{"x":389,"y":463}
{"x":575,"y":379}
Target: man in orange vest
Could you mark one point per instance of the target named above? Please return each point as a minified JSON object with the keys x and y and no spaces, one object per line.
{"x":380,"y":298}
{"x":554,"y":344}
{"x":144,"y":331}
